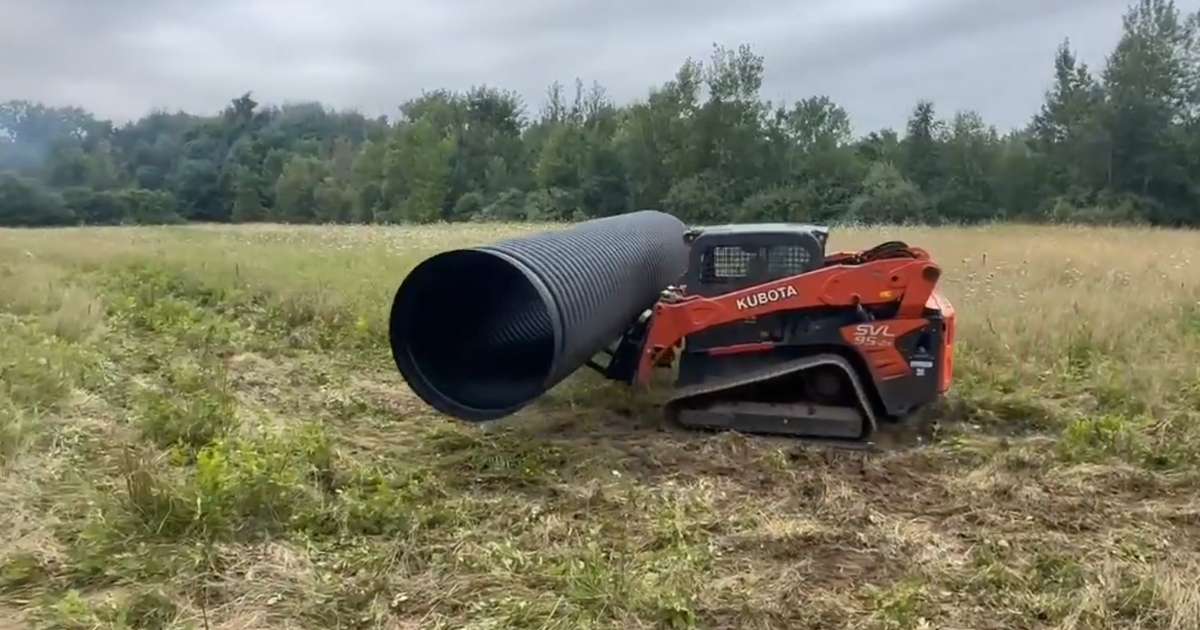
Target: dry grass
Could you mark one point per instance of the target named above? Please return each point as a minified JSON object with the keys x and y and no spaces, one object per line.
{"x":201,"y":425}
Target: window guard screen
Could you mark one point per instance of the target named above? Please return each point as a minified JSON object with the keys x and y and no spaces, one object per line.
{"x":787,"y":260}
{"x":725,"y":263}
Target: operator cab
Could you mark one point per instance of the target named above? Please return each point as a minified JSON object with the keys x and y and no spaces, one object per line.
{"x":731,"y":257}
{"x":723,"y":259}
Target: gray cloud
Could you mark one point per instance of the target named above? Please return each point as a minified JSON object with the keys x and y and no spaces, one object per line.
{"x":122,"y":58}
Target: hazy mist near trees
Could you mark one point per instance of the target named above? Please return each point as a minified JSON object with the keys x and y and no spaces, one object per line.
{"x":1114,"y":144}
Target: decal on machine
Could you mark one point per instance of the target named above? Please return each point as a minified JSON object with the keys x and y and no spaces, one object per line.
{"x":919,"y":367}
{"x":873,"y":336}
{"x":766,"y":297}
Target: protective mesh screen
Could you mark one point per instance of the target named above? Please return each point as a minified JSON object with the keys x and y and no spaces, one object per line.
{"x":784,"y":261}
{"x":727,"y":263}
{"x":724,"y":263}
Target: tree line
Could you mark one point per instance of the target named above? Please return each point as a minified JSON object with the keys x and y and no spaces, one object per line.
{"x":1121,"y":144}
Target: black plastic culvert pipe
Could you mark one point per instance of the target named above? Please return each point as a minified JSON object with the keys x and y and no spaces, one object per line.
{"x":480,"y":333}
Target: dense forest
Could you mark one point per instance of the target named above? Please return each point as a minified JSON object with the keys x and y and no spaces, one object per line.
{"x":1115,"y":144}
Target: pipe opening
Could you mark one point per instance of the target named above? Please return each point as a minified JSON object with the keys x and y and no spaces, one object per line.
{"x":473,"y":334}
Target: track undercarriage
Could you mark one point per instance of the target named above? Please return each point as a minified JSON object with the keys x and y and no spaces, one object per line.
{"x":815,"y":397}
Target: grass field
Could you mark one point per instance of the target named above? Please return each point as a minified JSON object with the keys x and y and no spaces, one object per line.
{"x":202,"y":427}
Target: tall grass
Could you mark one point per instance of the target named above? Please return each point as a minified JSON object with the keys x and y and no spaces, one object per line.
{"x":202,"y":424}
{"x":1041,"y":308}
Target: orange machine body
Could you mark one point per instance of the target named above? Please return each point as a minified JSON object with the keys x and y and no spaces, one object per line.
{"x":907,"y":283}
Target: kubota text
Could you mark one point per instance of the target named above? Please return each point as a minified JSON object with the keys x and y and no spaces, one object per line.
{"x":766,"y":297}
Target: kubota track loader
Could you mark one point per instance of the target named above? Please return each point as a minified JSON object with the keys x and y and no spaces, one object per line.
{"x":766,"y":331}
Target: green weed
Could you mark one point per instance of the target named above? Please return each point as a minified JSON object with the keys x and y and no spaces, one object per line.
{"x":194,"y":407}
{"x":30,"y":287}
{"x":203,"y":310}
{"x":1048,"y":588}
{"x":901,"y":606}
{"x":236,"y":487}
{"x":108,"y":550}
{"x":1084,"y":349}
{"x":375,"y":503}
{"x":665,"y":589}
{"x":1057,"y":572}
{"x":150,"y":609}
{"x":1115,"y":396}
{"x":504,"y":457}
{"x":72,"y":612}
{"x":247,"y":486}
{"x":355,"y":600}
{"x":981,"y":409}
{"x":17,"y":429}
{"x":1133,"y":597}
{"x":599,"y":585}
{"x":78,"y":315}
{"x":595,"y":580}
{"x":1190,"y":318}
{"x":993,"y":570}
{"x":172,"y":307}
{"x":1173,"y":442}
{"x":38,"y":372}
{"x":1095,"y":439}
{"x":160,"y":502}
{"x":680,"y":520}
{"x":21,"y":571}
{"x":145,"y":609}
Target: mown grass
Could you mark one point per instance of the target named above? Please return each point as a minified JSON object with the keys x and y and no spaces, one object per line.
{"x":202,"y":427}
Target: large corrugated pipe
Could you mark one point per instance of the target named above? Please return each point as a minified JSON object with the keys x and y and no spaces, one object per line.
{"x":479,"y":333}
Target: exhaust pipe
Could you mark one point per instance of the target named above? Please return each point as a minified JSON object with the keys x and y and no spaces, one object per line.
{"x":480,"y":333}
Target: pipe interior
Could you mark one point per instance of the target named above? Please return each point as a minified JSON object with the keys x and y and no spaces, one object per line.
{"x":477,"y":330}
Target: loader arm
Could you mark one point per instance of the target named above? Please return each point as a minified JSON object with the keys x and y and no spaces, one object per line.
{"x":909,"y":282}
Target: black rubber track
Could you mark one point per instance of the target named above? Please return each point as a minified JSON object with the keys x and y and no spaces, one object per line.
{"x":479,"y":333}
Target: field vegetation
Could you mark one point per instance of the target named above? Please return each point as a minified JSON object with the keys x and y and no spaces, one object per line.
{"x":201,"y":427}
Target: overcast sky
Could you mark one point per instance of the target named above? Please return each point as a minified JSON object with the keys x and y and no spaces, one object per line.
{"x":122,"y":58}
